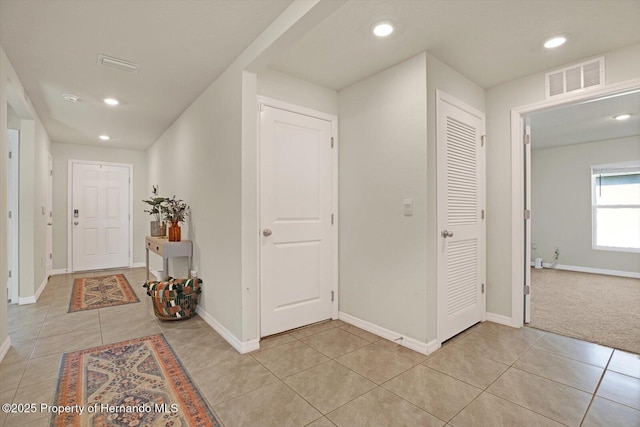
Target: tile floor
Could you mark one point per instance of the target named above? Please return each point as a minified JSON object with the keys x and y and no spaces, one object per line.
{"x":335,"y":374}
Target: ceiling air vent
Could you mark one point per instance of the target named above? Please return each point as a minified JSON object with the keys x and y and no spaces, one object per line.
{"x":575,"y":78}
{"x":118,"y":64}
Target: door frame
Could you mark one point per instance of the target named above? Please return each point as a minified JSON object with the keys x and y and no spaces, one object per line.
{"x":335,"y":285}
{"x":442,"y":96}
{"x":70,"y":164}
{"x":13,"y":180}
{"x":49,"y":217}
{"x":518,"y":226}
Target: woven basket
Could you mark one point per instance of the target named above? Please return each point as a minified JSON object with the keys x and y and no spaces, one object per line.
{"x":174,"y":299}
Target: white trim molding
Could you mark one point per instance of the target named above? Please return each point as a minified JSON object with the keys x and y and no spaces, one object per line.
{"x":138,"y":265}
{"x":618,"y":273}
{"x":27,"y":300}
{"x":241,"y":347}
{"x":57,"y":271}
{"x":499,"y":318}
{"x":4,"y":348}
{"x":41,"y":288}
{"x":410,"y":343}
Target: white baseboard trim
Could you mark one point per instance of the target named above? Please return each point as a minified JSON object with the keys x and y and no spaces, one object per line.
{"x":58,"y":271}
{"x":411,"y":343}
{"x":241,"y":347}
{"x":138,"y":265}
{"x":27,"y":300}
{"x":499,"y":318}
{"x":619,"y":273}
{"x":4,"y":348}
{"x":32,"y":299}
{"x":41,"y":288}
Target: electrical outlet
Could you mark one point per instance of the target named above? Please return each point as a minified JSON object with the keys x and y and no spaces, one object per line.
{"x":194,"y":273}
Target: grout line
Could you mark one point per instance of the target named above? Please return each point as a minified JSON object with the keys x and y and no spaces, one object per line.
{"x":593,"y":396}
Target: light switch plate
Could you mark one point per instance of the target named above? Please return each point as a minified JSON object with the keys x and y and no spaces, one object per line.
{"x":408,"y":207}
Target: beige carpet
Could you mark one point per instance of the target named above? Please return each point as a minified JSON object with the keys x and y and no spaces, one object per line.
{"x":592,"y":307}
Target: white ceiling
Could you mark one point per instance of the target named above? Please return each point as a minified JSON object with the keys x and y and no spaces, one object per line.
{"x":489,"y":42}
{"x":586,"y":122}
{"x":182,"y":46}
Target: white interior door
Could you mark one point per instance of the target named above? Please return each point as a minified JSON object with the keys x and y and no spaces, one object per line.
{"x":460,"y":218}
{"x":49,"y":214}
{"x":100,"y":216}
{"x":13,"y":162}
{"x":296,"y":196}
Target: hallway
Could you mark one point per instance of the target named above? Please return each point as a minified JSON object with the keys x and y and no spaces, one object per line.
{"x":333,"y":373}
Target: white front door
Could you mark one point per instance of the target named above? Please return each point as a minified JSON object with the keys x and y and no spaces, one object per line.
{"x":100,"y":216}
{"x":13,"y":137}
{"x":296,"y":197}
{"x":460,"y":218}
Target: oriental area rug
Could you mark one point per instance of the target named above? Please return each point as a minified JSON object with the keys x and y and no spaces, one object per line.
{"x":101,"y":291}
{"x":139,"y":382}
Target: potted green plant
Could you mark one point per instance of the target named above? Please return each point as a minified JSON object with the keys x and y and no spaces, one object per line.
{"x":175,"y":211}
{"x":158,"y":227}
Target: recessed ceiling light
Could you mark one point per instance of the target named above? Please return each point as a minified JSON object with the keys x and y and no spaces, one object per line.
{"x":111,"y":101}
{"x":383,"y":29}
{"x":104,"y":137}
{"x":624,"y":116}
{"x":555,"y":42}
{"x":69,"y":97}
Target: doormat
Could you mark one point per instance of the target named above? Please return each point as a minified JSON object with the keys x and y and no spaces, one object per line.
{"x":101,"y":291}
{"x":139,"y":382}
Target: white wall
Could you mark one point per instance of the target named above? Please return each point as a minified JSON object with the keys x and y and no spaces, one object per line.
{"x":283,"y":87}
{"x":561,"y":202}
{"x":61,"y":154}
{"x":382,"y":161}
{"x":622,"y":64}
{"x":34,"y":148}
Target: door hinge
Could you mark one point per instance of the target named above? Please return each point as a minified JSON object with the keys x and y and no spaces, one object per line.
{"x":527,"y":139}
{"x":527,"y":289}
{"x":332,"y":295}
{"x":51,"y":172}
{"x":483,"y":140}
{"x":332,"y":217}
{"x":50,"y":256}
{"x":260,"y":105}
{"x":482,"y":288}
{"x":9,"y":274}
{"x":482,"y":214}
{"x":527,"y":214}
{"x":10,"y":154}
{"x":332,"y":141}
{"x":9,"y":214}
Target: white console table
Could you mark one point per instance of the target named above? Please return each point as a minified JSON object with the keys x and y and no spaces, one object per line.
{"x":166,"y":249}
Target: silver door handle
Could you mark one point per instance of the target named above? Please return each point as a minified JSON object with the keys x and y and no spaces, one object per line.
{"x":49,"y":223}
{"x":75,"y":223}
{"x":266,"y":232}
{"x":446,"y":234}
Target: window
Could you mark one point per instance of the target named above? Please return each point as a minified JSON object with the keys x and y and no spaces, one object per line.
{"x":616,"y":206}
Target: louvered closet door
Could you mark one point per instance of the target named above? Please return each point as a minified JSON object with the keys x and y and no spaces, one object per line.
{"x":461,"y":224}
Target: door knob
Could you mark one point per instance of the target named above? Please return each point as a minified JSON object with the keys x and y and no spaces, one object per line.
{"x":75,"y":223}
{"x":446,"y":234}
{"x":266,"y":232}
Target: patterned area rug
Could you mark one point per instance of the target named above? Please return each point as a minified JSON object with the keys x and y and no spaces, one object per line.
{"x":139,"y":382}
{"x":101,"y":291}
